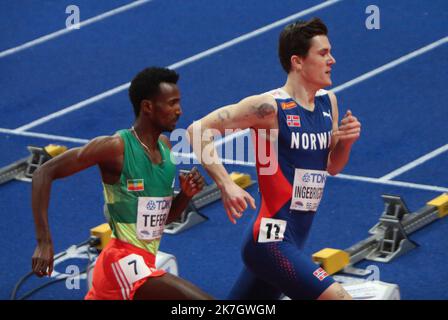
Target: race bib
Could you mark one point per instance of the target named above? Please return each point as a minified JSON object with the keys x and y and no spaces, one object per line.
{"x":271,"y":230}
{"x":308,"y":189}
{"x":133,"y":268}
{"x":151,"y":216}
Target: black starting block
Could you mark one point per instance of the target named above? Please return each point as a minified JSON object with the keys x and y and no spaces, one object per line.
{"x":23,"y":169}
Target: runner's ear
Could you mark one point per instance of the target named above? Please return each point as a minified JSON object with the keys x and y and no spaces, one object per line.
{"x":146,"y":106}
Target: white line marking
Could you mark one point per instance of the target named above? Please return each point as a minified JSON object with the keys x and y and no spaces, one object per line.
{"x":74,"y":107}
{"x":242,"y":163}
{"x":192,"y":156}
{"x":414,"y":163}
{"x":43,"y":136}
{"x":231,"y":137}
{"x":66,"y":30}
{"x":384,"y":180}
{"x":390,"y":65}
{"x":393,"y":183}
{"x":84,"y":141}
{"x":179,"y":64}
{"x":366,"y":76}
{"x":254,"y":33}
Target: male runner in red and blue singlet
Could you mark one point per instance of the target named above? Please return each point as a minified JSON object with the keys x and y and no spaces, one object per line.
{"x":297,"y":142}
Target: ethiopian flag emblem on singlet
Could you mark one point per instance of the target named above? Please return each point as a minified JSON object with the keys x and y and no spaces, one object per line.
{"x":135,"y":185}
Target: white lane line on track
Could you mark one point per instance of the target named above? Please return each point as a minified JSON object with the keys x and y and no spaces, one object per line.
{"x":346,"y":85}
{"x":84,"y":141}
{"x":237,"y":162}
{"x":178,"y":64}
{"x":339,"y":88}
{"x":391,"y":65}
{"x":82,"y":24}
{"x":43,"y":136}
{"x":392,"y":183}
{"x":415,"y":163}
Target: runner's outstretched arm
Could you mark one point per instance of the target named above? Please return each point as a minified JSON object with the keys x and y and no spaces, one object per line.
{"x":99,"y":151}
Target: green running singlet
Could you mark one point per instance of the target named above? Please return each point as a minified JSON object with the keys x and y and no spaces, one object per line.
{"x":138,"y":204}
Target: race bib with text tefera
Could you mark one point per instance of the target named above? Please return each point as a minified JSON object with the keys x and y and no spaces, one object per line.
{"x":152,"y":213}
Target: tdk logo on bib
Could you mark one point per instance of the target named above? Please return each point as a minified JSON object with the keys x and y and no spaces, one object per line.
{"x":158,"y":205}
{"x":307,"y":189}
{"x":151,"y":205}
{"x":152,"y":213}
{"x":314,"y":177}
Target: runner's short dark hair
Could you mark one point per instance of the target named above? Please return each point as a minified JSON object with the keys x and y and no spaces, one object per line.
{"x":295,"y":39}
{"x":146,"y":85}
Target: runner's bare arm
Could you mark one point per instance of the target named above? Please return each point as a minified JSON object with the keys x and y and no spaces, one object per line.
{"x":190,"y":184}
{"x":253,"y":112}
{"x":342,"y":139}
{"x":101,"y":150}
{"x":257,"y":112}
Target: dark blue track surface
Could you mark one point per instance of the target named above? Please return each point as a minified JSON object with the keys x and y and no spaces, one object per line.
{"x":402,"y":110}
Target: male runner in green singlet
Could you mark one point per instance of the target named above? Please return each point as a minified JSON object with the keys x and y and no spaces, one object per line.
{"x":138,"y":178}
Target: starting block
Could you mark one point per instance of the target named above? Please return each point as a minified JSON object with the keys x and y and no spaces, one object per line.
{"x":210,"y":193}
{"x":331,"y":259}
{"x":167,"y":262}
{"x":389,"y":237}
{"x":102,"y":232}
{"x":441,"y":203}
{"x":388,"y":240}
{"x":23,"y":169}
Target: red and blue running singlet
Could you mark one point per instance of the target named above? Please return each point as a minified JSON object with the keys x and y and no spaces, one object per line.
{"x":298,"y":182}
{"x":290,"y":196}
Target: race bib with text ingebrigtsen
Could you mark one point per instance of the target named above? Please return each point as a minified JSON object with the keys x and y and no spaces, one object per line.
{"x":308,"y":189}
{"x":151,"y":216}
